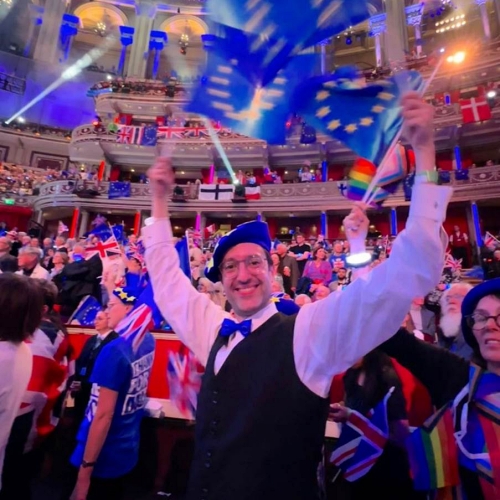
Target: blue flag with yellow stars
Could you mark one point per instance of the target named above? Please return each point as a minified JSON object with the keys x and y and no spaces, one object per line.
{"x":229,"y":93}
{"x":301,"y":23}
{"x":364,"y":116}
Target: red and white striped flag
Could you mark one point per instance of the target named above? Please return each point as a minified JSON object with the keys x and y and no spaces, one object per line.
{"x":490,"y":240}
{"x":62,"y":228}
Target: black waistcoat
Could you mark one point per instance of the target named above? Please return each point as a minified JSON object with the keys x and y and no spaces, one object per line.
{"x":259,"y":429}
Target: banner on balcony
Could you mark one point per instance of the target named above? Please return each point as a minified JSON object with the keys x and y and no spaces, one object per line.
{"x":143,"y":136}
{"x":119,"y":190}
{"x":252,"y":192}
{"x":222,"y":192}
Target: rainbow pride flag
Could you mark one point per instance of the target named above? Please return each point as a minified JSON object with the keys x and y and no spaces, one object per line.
{"x":433,"y":453}
{"x":360,"y":177}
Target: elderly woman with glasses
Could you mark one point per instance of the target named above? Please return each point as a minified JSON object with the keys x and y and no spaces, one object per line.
{"x":472,"y":389}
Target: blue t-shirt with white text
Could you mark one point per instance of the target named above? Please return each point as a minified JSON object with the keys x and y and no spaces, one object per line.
{"x":119,"y":369}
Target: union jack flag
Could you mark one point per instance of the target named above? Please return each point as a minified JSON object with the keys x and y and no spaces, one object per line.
{"x":184,"y":382}
{"x":128,"y":134}
{"x":362,"y":441}
{"x":108,"y":248}
{"x":490,"y":240}
{"x":451,"y":263}
{"x":136,"y":325}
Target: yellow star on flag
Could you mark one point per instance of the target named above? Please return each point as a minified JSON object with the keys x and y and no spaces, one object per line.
{"x":322,"y":95}
{"x":333,"y":125}
{"x":366,"y":122}
{"x":385,"y":96}
{"x":123,"y":295}
{"x":378,"y":109}
{"x":351,"y":128}
{"x":323,"y":111}
{"x":275,"y":299}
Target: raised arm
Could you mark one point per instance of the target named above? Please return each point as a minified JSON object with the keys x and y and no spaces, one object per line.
{"x":333,"y":333}
{"x":443,"y":373}
{"x":192,"y":315}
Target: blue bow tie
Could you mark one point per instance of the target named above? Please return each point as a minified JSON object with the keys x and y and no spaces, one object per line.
{"x":229,"y":327}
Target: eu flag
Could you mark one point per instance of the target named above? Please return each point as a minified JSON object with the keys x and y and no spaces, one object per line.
{"x":86,"y":312}
{"x":365,"y":117}
{"x":149,"y":135}
{"x":119,"y":190}
{"x":227,"y":94}
{"x":301,"y":23}
{"x":102,"y":231}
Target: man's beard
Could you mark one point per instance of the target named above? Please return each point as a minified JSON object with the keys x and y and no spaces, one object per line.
{"x":450,"y":324}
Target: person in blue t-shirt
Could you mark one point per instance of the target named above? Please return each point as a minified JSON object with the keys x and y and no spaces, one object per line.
{"x":108,"y":439}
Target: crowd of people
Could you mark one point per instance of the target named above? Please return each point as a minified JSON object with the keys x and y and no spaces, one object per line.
{"x":287,"y":335}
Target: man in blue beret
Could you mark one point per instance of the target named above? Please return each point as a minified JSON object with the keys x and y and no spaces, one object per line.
{"x":263,"y":404}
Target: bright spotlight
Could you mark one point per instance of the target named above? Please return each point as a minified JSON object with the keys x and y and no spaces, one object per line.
{"x":457,"y":58}
{"x":21,"y":119}
{"x":491,"y":94}
{"x":441,"y":50}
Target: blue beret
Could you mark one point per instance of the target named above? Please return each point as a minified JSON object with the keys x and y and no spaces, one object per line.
{"x":285,"y":306}
{"x":250,"y":232}
{"x":127,"y":295}
{"x":471,"y":300}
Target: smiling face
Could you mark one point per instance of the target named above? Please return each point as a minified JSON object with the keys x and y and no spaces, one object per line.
{"x":116,"y":311}
{"x":247,"y":279}
{"x":487,"y":332}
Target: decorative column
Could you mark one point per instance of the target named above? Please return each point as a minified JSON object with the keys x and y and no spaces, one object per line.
{"x":74,"y":222}
{"x":457,"y":158}
{"x":397,"y":32}
{"x":126,"y":39}
{"x":39,"y":217}
{"x":393,"y":221}
{"x":324,"y":224}
{"x":69,"y":28}
{"x":145,"y":13}
{"x":197,"y":222}
{"x":157,"y":41}
{"x":36,"y":19}
{"x":137,"y":222}
{"x":84,"y":223}
{"x":323,"y":45}
{"x":414,"y":18}
{"x":483,"y":9}
{"x":474,"y":226}
{"x":48,"y":44}
{"x":378,"y":26}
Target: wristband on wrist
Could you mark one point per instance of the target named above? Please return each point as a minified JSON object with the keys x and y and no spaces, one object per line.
{"x":427,"y":176}
{"x":86,"y":464}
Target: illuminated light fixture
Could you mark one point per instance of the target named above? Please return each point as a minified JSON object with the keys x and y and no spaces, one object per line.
{"x":442,"y":49}
{"x":361,"y":259}
{"x":100,"y":28}
{"x":132,"y":169}
{"x":457,"y":58}
{"x":20,"y":119}
{"x":491,"y":94}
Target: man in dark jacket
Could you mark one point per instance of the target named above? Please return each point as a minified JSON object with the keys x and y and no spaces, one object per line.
{"x":77,"y":280}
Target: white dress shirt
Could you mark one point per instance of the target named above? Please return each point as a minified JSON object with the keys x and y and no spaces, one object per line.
{"x":331,"y":334}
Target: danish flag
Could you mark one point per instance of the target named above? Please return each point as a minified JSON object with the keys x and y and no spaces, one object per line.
{"x":475,"y":109}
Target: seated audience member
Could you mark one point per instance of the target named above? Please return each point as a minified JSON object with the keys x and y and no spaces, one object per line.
{"x":302,"y":299}
{"x":8,"y":264}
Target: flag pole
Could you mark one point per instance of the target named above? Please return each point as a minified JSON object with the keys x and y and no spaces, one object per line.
{"x":368,"y":196}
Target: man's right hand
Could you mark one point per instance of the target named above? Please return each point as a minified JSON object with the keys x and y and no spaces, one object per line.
{"x":161,"y":178}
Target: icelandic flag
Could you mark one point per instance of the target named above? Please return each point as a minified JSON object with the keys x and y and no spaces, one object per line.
{"x":86,"y":312}
{"x":300,"y":23}
{"x":119,"y":190}
{"x":231,"y":93}
{"x":364,"y":116}
{"x":135,"y":326}
{"x":362,"y":441}
{"x":184,"y":382}
{"x":149,"y":135}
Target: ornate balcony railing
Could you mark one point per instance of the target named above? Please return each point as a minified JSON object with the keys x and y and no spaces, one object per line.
{"x":482,"y":184}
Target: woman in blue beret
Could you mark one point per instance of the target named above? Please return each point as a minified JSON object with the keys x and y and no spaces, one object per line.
{"x":472,"y":388}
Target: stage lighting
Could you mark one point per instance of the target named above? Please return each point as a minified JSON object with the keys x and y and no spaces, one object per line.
{"x":491,"y":94}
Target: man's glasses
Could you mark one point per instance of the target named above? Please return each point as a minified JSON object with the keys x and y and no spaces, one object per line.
{"x":254,"y":264}
{"x":478,"y":321}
